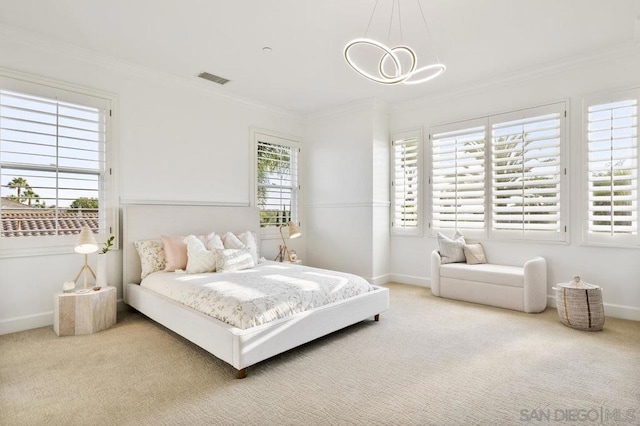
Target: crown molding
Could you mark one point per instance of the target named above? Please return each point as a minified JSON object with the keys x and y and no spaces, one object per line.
{"x":611,"y":54}
{"x":129,"y":68}
{"x":374,"y":104}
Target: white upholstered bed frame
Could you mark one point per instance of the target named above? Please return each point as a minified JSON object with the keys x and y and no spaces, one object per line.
{"x":238,"y":347}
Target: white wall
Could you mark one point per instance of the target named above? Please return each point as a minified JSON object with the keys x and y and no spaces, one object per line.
{"x":177,"y":141}
{"x":347,"y":198}
{"x":380,"y":186}
{"x":617,"y":270}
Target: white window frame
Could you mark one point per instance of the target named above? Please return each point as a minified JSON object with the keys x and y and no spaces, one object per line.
{"x":276,"y":138}
{"x":108,"y":219}
{"x":488,"y":232}
{"x":615,"y":240}
{"x":399,"y":138}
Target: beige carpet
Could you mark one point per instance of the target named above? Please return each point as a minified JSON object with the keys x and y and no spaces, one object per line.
{"x":428,"y":361}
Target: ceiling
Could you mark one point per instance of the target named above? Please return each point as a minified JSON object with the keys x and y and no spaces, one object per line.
{"x":305,"y":72}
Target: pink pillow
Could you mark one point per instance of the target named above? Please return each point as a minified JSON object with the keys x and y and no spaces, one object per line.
{"x":175,"y":250}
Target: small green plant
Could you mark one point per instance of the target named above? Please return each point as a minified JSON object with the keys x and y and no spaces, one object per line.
{"x":108,"y":244}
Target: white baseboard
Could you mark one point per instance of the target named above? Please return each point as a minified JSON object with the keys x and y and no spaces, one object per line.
{"x":28,"y":322}
{"x":610,"y":310}
{"x":380,"y":279}
{"x":410,"y":279}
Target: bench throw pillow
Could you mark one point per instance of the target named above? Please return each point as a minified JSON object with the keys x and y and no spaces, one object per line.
{"x":474,"y":254}
{"x":451,"y":250}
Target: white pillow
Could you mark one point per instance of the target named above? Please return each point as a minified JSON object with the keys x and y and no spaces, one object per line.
{"x":199,"y":259}
{"x":214,"y":243}
{"x":229,"y":260}
{"x":151,"y":254}
{"x":249,"y":241}
{"x":451,"y":250}
{"x":230,"y":241}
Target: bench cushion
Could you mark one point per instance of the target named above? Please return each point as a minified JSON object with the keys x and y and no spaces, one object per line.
{"x":512,"y":276}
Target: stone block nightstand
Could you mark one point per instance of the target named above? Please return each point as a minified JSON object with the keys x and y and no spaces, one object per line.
{"x":84,"y":313}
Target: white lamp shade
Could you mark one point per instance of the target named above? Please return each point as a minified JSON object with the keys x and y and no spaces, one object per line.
{"x":86,"y":242}
{"x":294,"y":232}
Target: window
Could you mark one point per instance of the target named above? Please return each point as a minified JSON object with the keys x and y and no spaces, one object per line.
{"x":458,"y":177}
{"x":406,"y":153}
{"x":612,"y":168}
{"x":500,"y":176}
{"x":277,"y":186}
{"x":526,"y":173}
{"x":54,"y":170}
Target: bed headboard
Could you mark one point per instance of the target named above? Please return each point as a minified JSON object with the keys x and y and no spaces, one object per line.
{"x":148,"y":222}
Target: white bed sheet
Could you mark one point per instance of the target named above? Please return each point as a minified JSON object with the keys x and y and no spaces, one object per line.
{"x":251,"y":297}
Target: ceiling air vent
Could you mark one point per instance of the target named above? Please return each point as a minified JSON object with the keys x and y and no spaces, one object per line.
{"x":213,"y":78}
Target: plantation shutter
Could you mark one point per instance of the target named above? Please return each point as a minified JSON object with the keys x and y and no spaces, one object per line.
{"x":277,"y":181}
{"x":52,"y":153}
{"x":458,"y":176}
{"x":407,"y":153}
{"x":526,"y":172}
{"x":612,"y":163}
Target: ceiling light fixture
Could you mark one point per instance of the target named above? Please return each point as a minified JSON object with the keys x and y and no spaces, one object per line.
{"x":396,"y":65}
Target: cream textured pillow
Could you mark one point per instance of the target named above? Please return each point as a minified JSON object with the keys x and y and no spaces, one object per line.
{"x":151,"y":255}
{"x":199,"y":259}
{"x":451,"y":250}
{"x":474,"y":254}
{"x":229,"y":260}
{"x":249,"y":241}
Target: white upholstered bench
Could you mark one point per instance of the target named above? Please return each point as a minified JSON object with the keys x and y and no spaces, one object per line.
{"x":512,"y":287}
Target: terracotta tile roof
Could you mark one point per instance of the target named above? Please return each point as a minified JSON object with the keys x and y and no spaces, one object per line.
{"x":23,"y":221}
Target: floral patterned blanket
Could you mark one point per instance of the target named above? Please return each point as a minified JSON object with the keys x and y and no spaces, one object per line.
{"x":251,"y":297}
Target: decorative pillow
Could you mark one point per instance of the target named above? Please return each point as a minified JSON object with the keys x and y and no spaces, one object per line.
{"x":230,"y":241}
{"x":451,"y":250}
{"x":175,"y":250}
{"x":214,"y":243}
{"x":199,"y":259}
{"x":474,"y":254}
{"x":229,"y":260}
{"x":151,"y":255}
{"x":249,"y":241}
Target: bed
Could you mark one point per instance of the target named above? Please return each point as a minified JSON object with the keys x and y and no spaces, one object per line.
{"x":239,"y":347}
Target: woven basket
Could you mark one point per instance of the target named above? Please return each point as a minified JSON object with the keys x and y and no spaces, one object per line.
{"x":580,"y":305}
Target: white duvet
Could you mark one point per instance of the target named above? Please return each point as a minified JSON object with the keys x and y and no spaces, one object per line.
{"x":259,"y":295}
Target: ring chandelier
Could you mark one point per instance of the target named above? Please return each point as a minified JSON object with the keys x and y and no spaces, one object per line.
{"x":391,"y":68}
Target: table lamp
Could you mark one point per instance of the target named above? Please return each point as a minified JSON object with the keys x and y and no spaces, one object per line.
{"x":86,"y":244}
{"x":294,"y":232}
